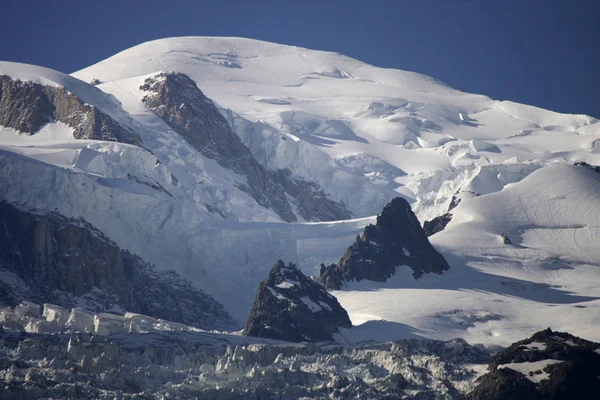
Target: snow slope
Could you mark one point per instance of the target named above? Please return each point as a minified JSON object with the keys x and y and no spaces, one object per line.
{"x":340,"y":122}
{"x":124,"y":192}
{"x":494,"y":292}
{"x":365,"y":134}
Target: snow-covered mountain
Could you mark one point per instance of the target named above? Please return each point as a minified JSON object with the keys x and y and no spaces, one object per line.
{"x":322,"y":138}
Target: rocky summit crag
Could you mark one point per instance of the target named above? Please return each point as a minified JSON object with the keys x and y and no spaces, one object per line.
{"x":549,"y":365}
{"x":397,"y":239}
{"x":289,"y":306}
{"x":48,"y":258}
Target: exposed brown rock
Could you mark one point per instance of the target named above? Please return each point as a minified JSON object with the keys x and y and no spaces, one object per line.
{"x":180,"y":103}
{"x":67,"y":261}
{"x":28,"y":106}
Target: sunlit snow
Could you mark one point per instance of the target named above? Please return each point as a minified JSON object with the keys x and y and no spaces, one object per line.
{"x":365,"y":135}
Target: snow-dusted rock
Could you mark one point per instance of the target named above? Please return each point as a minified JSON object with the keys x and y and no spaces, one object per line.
{"x":289,"y":306}
{"x":504,"y":383}
{"x":437,"y":224}
{"x":27,"y":106}
{"x":548,"y":365}
{"x":180,"y":103}
{"x":397,"y":239}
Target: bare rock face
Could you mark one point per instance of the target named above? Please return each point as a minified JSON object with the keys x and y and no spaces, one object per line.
{"x":177,"y":100}
{"x":289,"y":306}
{"x":396,"y":240}
{"x":437,"y":224}
{"x":548,"y":365}
{"x":28,"y":106}
{"x":48,"y":258}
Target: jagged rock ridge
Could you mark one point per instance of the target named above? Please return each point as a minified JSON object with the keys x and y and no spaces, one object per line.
{"x":177,"y":100}
{"x":289,"y":306}
{"x":396,"y":239}
{"x":548,"y":365}
{"x":28,"y":106}
{"x":48,"y":258}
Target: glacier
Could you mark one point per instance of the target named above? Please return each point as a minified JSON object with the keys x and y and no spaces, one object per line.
{"x":365,"y":135}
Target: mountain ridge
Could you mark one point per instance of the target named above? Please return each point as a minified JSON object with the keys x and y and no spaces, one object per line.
{"x":361,"y":134}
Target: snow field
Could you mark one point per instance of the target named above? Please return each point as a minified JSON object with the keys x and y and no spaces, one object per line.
{"x":365,"y":134}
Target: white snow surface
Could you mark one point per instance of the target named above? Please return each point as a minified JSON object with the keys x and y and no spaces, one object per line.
{"x":534,"y":371}
{"x":314,"y":307}
{"x":365,"y":134}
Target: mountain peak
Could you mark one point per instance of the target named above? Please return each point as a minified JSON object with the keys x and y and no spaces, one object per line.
{"x":290,"y":306}
{"x":396,"y":240}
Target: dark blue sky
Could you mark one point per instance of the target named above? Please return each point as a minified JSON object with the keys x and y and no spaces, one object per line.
{"x":540,"y":52}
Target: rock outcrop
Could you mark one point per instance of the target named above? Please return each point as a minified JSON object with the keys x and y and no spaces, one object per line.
{"x":437,"y":224}
{"x":310,"y":199}
{"x":548,"y":365}
{"x":440,"y":222}
{"x":28,"y":106}
{"x":505,"y":239}
{"x":48,"y":258}
{"x":397,"y":239}
{"x":583,"y":164}
{"x":289,"y":306}
{"x":504,"y":384}
{"x":176,"y":99}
